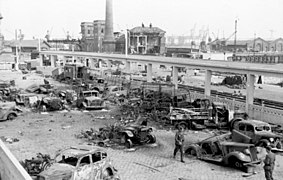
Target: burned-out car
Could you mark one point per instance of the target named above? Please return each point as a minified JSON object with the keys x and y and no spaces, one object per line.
{"x":136,"y":134}
{"x":186,"y":118}
{"x":24,"y":99}
{"x":51,"y":104}
{"x":90,"y":100}
{"x":80,"y":163}
{"x":8,"y":111}
{"x":220,"y":149}
{"x":256,"y":132}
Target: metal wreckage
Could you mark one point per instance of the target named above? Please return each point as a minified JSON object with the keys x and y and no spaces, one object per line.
{"x":139,"y":104}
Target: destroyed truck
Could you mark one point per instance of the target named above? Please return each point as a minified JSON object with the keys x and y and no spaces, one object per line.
{"x":258,"y":133}
{"x":186,"y":118}
{"x":90,"y":100}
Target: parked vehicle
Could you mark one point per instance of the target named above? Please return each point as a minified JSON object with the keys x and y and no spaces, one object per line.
{"x":116,"y":91}
{"x":8,"y":111}
{"x":186,"y":118}
{"x":136,"y":134}
{"x":258,"y":133}
{"x":221,"y":150}
{"x":90,"y":100}
{"x":24,"y":99}
{"x":76,"y":163}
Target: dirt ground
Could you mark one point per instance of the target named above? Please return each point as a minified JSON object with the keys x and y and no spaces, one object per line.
{"x":47,"y":133}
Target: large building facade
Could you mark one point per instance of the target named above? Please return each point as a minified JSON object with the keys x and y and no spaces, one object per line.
{"x":92,"y":36}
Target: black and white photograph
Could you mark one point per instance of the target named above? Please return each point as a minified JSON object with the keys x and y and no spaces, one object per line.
{"x":141,"y":90}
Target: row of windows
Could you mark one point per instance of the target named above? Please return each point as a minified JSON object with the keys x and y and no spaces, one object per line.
{"x":259,"y":59}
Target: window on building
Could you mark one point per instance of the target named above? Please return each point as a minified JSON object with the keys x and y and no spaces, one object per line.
{"x":102,"y":30}
{"x":88,"y":31}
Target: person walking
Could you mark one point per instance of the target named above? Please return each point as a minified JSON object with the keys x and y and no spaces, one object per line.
{"x":269,"y":163}
{"x":179,"y":143}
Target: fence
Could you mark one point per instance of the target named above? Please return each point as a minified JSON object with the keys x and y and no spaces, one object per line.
{"x":263,"y":113}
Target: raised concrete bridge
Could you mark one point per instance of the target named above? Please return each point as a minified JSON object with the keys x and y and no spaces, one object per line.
{"x":250,"y":69}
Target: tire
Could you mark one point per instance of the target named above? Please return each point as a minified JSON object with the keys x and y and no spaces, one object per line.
{"x":182,"y":125}
{"x":11,"y":116}
{"x":236,"y":163}
{"x":123,"y":139}
{"x":191,"y":151}
{"x":128,"y":144}
{"x":151,"y":139}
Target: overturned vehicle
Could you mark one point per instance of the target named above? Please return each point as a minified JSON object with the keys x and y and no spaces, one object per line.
{"x":76,"y":163}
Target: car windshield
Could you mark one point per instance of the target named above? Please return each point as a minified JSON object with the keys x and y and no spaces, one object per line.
{"x":262,"y":128}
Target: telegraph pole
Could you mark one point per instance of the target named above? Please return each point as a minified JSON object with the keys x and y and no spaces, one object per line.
{"x":235,"y":40}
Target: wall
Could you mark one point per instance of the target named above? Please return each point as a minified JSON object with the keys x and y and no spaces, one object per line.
{"x":10,"y":168}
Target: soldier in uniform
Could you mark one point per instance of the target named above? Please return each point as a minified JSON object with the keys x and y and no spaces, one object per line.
{"x":269,"y":163}
{"x":179,"y":143}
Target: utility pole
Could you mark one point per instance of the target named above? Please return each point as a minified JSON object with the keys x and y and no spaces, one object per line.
{"x":17,"y":53}
{"x":235,"y":40}
{"x":126,"y":43}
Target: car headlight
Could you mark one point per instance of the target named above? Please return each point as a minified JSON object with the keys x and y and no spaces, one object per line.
{"x":271,"y":139}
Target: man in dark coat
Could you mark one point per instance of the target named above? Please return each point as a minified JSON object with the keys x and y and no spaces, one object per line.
{"x":179,"y":143}
{"x":269,"y":163}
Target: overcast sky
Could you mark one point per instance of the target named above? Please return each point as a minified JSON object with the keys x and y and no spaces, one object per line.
{"x":177,"y":17}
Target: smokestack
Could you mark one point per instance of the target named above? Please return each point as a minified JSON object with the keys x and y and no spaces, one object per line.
{"x":109,"y":41}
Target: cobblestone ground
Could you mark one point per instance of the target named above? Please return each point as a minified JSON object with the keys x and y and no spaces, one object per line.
{"x":154,"y":163}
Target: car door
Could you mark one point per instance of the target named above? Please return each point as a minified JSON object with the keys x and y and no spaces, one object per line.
{"x":84,"y":169}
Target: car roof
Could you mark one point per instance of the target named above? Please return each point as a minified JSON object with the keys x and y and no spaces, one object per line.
{"x":78,"y":151}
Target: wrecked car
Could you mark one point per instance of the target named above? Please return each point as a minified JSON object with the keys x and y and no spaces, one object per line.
{"x":258,"y":133}
{"x":25,"y":99}
{"x":186,"y":118}
{"x":92,"y":103}
{"x":51,"y":104}
{"x":136,"y":134}
{"x":8,"y":111}
{"x":219,"y":149}
{"x":80,"y":163}
{"x":90,"y":100}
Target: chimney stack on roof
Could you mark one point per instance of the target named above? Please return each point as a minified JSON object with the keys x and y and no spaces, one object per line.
{"x":150,"y":25}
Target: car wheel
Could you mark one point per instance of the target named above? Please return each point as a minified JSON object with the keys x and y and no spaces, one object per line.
{"x":236,"y":163}
{"x":151,"y":138}
{"x":191,"y":151}
{"x":128,"y":144}
{"x":182,"y":125}
{"x":11,"y":116}
{"x":123,"y":139}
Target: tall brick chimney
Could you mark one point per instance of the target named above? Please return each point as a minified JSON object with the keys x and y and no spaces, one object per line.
{"x":109,"y":41}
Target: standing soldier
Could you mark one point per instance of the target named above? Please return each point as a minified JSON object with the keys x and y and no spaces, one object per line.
{"x":269,"y":163}
{"x":179,"y":143}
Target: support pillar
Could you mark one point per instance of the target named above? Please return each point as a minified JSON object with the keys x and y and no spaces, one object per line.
{"x":207,"y":90}
{"x":250,"y":91}
{"x":149,"y":72}
{"x":108,"y":64}
{"x":175,"y":77}
{"x":41,"y":57}
{"x":52,"y":60}
{"x":128,"y":66}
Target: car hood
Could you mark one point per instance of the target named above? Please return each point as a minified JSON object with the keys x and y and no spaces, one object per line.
{"x":267,"y":134}
{"x":58,"y":171}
